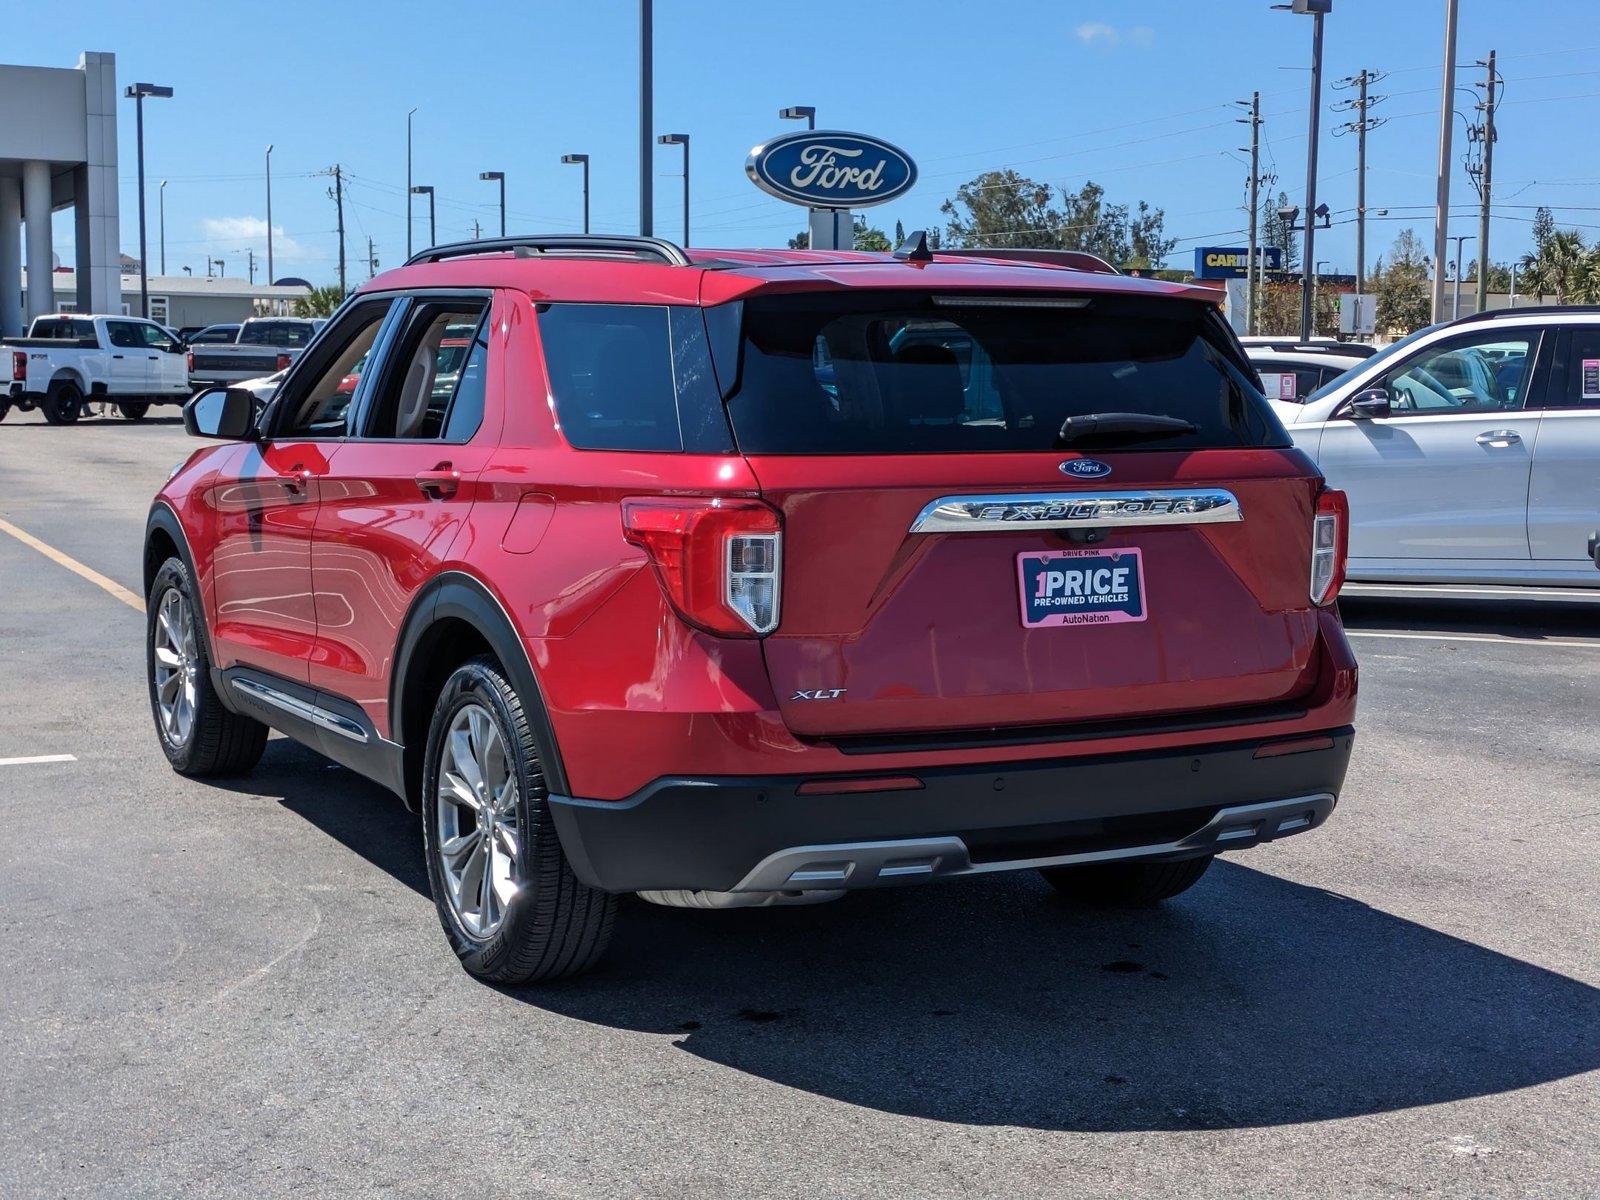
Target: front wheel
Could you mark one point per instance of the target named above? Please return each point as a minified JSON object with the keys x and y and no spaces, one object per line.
{"x":510,"y":905}
{"x":63,"y":403}
{"x":133,"y":410}
{"x":5,"y":408}
{"x":1126,"y":884}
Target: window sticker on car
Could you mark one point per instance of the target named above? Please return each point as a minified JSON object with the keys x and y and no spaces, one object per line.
{"x":1591,"y":379}
{"x":1081,"y":587}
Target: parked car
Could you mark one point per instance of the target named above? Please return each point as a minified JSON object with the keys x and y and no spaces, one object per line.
{"x":1289,"y":376}
{"x":261,"y":346}
{"x":69,"y":359}
{"x":1322,"y":344}
{"x":209,"y":335}
{"x":802,"y":576}
{"x":1470,"y":451}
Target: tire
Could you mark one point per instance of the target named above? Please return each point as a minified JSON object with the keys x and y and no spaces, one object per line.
{"x":211,"y":740}
{"x":542,"y":922}
{"x":5,"y":408}
{"x":63,"y":403}
{"x":1126,"y":884}
{"x":133,"y":410}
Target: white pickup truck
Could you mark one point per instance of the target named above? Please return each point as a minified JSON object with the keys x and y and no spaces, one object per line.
{"x":263,"y":345}
{"x":70,"y":359}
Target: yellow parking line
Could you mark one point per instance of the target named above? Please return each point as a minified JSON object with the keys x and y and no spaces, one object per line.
{"x":110,"y":586}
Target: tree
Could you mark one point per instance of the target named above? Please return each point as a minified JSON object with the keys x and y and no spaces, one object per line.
{"x":1280,"y":310}
{"x":1005,"y":209}
{"x":869,"y":237}
{"x":321,"y":302}
{"x":899,"y":234}
{"x":1405,"y":297}
{"x":1276,"y":231}
{"x":1556,"y":265}
{"x":1499,"y":276}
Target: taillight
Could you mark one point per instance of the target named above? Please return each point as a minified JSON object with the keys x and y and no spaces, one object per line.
{"x":1330,"y":545}
{"x":19,"y":365}
{"x":720,"y":560}
{"x":283,"y":362}
{"x":189,"y":359}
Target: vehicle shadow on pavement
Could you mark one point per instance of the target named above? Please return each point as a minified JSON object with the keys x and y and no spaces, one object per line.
{"x":1248,"y":1001}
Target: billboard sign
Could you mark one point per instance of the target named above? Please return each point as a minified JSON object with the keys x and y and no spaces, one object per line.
{"x":829,"y":169}
{"x":1231,"y":262}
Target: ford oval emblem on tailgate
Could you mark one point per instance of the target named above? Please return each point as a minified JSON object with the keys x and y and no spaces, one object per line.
{"x":1086,"y":468}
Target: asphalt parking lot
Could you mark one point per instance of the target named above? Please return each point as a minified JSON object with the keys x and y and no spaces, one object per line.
{"x":240,"y":988}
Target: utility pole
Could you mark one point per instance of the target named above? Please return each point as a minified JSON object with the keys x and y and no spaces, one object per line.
{"x":372,"y":259}
{"x":1483,"y":174}
{"x":1361,"y":126}
{"x":1447,"y":113}
{"x":477,"y":229}
{"x":251,"y":259}
{"x":337,"y":192}
{"x":1316,"y":10}
{"x":1252,"y":270}
{"x":270,"y":271}
{"x":646,"y":119}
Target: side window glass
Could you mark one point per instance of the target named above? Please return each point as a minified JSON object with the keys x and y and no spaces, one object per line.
{"x":123,"y":334}
{"x":1578,"y":386}
{"x":319,"y":395}
{"x":442,"y":354}
{"x":611,"y":372}
{"x":1481,"y":374}
{"x":466,"y":408}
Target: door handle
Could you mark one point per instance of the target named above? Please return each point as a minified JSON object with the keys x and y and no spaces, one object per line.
{"x":440,"y":483}
{"x":295,"y":482}
{"x":1500,"y":439}
{"x":116,"y":356}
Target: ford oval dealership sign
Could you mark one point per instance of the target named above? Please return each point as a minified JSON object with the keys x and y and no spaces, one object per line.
{"x":829,"y":169}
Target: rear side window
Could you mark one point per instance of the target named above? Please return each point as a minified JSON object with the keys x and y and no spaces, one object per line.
{"x":633,"y":377}
{"x":854,"y":373}
{"x":276,"y":333}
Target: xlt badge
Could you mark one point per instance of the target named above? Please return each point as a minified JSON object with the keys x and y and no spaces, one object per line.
{"x":818,"y":694}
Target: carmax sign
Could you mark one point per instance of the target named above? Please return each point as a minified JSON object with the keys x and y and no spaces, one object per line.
{"x":1231,"y":262}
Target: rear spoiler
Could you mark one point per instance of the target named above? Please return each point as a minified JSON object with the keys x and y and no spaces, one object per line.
{"x":1072,"y":260}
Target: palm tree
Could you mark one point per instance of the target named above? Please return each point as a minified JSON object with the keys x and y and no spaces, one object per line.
{"x":1558,"y":266}
{"x":1586,"y":285}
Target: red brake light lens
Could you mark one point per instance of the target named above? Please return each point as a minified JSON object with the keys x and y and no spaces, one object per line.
{"x":19,"y":365}
{"x":719,"y":560}
{"x":1330,"y":545}
{"x":189,"y":358}
{"x":283,"y":362}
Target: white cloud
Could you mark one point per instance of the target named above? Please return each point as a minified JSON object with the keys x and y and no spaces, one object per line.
{"x":241,"y":232}
{"x":1098,"y":33}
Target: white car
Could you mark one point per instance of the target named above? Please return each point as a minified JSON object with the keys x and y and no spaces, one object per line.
{"x":1470,"y":451}
{"x":68,"y":359}
{"x":1291,"y":375}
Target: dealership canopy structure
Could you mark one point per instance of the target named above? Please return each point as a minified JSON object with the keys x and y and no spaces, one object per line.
{"x":58,"y":149}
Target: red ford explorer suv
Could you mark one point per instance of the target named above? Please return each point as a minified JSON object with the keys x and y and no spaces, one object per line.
{"x":755,"y":577}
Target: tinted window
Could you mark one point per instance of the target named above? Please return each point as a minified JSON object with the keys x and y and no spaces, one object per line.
{"x":853,"y":372}
{"x":124,"y":334}
{"x":1289,"y":383}
{"x":440,"y":355}
{"x":276,"y":333}
{"x":611,"y":373}
{"x":216,"y":334}
{"x":1480,"y":372}
{"x":1576,"y":382}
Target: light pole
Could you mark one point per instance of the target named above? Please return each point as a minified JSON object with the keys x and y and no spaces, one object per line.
{"x":1455,"y":303}
{"x":410,"y":191}
{"x":269,"y":214}
{"x":646,"y":118}
{"x":500,"y":178}
{"x":222,"y":268}
{"x":681,"y":139}
{"x":161,"y":207}
{"x":424,"y":189}
{"x":583,"y":161}
{"x":800,"y":112}
{"x":137,"y":92}
{"x":1315,"y":280}
{"x":1447,"y":116}
{"x":1316,"y":10}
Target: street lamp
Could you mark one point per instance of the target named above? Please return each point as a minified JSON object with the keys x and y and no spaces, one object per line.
{"x":1316,"y":10}
{"x":681,"y":139}
{"x":161,"y":207}
{"x":423,"y":189}
{"x":581,"y":160}
{"x":800,"y":112}
{"x":500,"y":178}
{"x":409,"y":189}
{"x":269,"y":214}
{"x":137,"y":93}
{"x":1455,"y":303}
{"x":1315,"y":280}
{"x":222,"y":268}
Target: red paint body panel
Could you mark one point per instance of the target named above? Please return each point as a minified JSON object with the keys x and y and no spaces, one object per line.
{"x":922,"y":632}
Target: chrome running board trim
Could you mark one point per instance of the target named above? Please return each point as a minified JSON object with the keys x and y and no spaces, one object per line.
{"x":1078,"y":510}
{"x":303,"y":709}
{"x":876,"y":864}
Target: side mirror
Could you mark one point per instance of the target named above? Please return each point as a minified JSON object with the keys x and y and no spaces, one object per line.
{"x":1374,"y":402}
{"x":227,"y":413}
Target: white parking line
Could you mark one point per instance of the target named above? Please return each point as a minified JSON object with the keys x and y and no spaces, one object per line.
{"x":1474,"y":637}
{"x":37,"y":758}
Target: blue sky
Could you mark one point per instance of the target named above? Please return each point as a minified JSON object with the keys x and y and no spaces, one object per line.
{"x":1135,"y":96}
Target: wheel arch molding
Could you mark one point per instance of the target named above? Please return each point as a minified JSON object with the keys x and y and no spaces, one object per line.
{"x":456,"y":614}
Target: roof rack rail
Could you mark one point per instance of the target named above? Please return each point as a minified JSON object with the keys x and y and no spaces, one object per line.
{"x":597,"y":244}
{"x":1526,"y":310}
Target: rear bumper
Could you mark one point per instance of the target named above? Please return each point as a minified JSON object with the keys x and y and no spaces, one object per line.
{"x":763,"y":834}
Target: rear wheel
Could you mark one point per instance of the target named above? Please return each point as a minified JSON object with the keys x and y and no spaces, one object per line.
{"x":5,"y":407}
{"x":1126,"y":884}
{"x":63,"y":403}
{"x":133,"y":410}
{"x":198,"y":735}
{"x":507,"y":898}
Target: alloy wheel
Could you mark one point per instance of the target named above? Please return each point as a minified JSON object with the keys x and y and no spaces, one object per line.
{"x":177,"y":667}
{"x":479,"y":842}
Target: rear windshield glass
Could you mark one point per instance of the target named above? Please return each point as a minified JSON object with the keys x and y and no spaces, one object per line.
{"x":852,"y":373}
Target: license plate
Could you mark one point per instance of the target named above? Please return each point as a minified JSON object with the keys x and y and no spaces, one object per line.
{"x":1081,"y":587}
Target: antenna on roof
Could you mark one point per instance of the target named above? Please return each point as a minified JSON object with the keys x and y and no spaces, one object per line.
{"x":915,"y":247}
